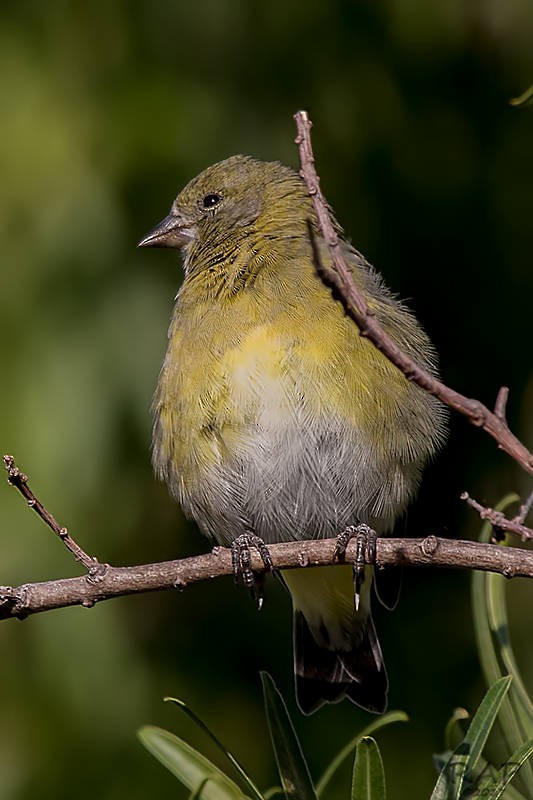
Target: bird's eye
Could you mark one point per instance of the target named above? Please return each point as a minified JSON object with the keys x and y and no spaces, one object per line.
{"x":211,"y":200}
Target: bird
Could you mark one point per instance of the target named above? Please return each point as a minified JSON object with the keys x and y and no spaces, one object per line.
{"x":274,"y":418}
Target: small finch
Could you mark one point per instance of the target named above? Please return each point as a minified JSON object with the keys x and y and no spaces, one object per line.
{"x":274,"y":418}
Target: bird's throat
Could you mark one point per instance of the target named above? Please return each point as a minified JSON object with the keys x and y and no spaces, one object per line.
{"x":225,"y":270}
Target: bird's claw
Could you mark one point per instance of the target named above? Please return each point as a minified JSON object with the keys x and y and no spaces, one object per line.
{"x":365,"y":553}
{"x":242,"y":564}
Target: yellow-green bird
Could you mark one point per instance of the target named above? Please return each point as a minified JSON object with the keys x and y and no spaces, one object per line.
{"x":274,"y":417}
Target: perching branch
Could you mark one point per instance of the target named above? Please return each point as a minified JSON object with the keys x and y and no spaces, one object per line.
{"x":355,"y":304}
{"x":103,"y":581}
{"x":32,"y":598}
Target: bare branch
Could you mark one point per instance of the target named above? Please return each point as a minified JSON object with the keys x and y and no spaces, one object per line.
{"x":104,"y":581}
{"x":524,"y":509}
{"x":33,"y":598}
{"x":358,"y":310}
{"x":498,"y":520}
{"x":20,"y":481}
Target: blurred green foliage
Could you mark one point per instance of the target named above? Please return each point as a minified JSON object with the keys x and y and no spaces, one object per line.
{"x":107,"y":109}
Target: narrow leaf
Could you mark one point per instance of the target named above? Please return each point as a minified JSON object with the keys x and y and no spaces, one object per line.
{"x":380,"y":722}
{"x":516,"y":713}
{"x":274,"y":791}
{"x":231,"y":758}
{"x":485,"y":645}
{"x":495,"y":652}
{"x":452,"y":726}
{"x":292,"y":767}
{"x":499,"y":624}
{"x":525,"y":99}
{"x":465,"y":757}
{"x":506,"y":773}
{"x":189,"y":766}
{"x":368,"y":780}
{"x":443,"y":787}
{"x":197,"y":794}
{"x":482,"y":722}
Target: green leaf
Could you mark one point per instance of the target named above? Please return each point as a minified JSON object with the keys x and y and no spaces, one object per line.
{"x":464,"y":759}
{"x":441,"y":759}
{"x":506,"y":773}
{"x":292,"y":767}
{"x":497,"y":612}
{"x":485,"y":644}
{"x":482,"y":723}
{"x":231,"y":758}
{"x":495,"y":652}
{"x":368,"y":780}
{"x":197,"y":794}
{"x":450,"y":732}
{"x":516,"y":714}
{"x":444,"y":789}
{"x":189,"y":766}
{"x":380,"y":722}
{"x":525,"y":99}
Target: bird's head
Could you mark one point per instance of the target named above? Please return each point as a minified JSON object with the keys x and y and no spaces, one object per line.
{"x":229,"y":199}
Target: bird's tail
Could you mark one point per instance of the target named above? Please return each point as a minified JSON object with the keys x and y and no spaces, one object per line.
{"x":336,"y":650}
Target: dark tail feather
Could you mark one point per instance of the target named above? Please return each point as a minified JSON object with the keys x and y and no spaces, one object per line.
{"x":326,"y":675}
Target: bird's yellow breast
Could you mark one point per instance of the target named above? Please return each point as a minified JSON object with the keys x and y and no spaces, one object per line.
{"x":263,"y":394}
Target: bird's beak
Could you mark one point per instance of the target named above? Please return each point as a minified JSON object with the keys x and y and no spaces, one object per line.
{"x":172,"y":231}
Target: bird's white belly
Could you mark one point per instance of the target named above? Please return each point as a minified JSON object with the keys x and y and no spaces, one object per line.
{"x":294,"y":476}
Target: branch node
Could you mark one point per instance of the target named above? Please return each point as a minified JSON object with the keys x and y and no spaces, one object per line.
{"x":429,"y":545}
{"x":14,"y":476}
{"x":7,"y":596}
{"x":500,"y":407}
{"x":96,"y":571}
{"x":14,"y":602}
{"x":477,"y":413}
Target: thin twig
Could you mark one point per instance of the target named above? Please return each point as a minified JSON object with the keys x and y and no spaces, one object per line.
{"x":500,"y":406}
{"x":498,"y":520}
{"x":524,"y":509}
{"x":340,"y":277}
{"x":20,"y":481}
{"x":33,"y":598}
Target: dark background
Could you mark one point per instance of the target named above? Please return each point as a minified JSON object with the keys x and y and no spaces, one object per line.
{"x":107,"y":109}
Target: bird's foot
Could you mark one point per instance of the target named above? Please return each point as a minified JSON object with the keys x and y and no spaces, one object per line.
{"x":242,"y":564}
{"x":365,"y":552}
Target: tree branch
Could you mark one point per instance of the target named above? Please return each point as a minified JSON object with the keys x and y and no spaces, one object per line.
{"x":499,"y":521}
{"x":104,"y":581}
{"x":494,"y":423}
{"x":19,"y":480}
{"x":33,"y":598}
